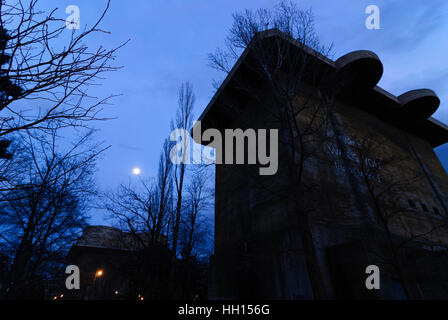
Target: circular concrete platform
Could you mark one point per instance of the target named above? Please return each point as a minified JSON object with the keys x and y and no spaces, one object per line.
{"x":419,"y":104}
{"x":359,"y":69}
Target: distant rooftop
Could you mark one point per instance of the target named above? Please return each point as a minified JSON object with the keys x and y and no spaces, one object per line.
{"x":109,"y":238}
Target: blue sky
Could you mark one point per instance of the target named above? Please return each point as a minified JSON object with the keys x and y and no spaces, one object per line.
{"x":170,"y":41}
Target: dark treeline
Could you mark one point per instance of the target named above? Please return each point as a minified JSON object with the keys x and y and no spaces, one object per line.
{"x":47,"y":149}
{"x":168,"y":212}
{"x":48,"y":156}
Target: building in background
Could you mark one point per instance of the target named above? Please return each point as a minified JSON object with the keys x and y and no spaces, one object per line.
{"x":115,"y":265}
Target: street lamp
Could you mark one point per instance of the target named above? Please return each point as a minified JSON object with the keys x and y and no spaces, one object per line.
{"x":99,"y":273}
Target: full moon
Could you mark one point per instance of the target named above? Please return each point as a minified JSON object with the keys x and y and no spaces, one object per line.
{"x":136,"y":171}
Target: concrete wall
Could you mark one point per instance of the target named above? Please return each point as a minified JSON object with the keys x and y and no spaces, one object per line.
{"x":258,"y":251}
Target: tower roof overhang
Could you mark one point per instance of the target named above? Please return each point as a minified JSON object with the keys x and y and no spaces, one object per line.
{"x":360,"y":71}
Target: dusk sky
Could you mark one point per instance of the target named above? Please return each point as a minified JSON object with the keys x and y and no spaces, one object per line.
{"x":170,"y":41}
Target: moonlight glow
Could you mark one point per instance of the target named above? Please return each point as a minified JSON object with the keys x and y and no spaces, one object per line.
{"x":136,"y":171}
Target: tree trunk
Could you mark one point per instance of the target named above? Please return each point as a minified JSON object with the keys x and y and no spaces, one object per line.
{"x":176,"y":228}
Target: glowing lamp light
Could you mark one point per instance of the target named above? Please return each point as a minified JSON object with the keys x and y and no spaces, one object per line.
{"x":99,"y":273}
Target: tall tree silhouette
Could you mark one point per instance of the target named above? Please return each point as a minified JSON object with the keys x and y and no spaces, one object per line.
{"x":7,"y":87}
{"x":48,"y":66}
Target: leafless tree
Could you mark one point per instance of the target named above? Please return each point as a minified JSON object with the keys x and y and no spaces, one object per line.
{"x":183,"y":120}
{"x":145,"y":208}
{"x":194,"y":236}
{"x":42,"y":214}
{"x":287,"y":67}
{"x":46,"y":69}
{"x":195,"y":227}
